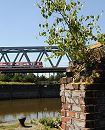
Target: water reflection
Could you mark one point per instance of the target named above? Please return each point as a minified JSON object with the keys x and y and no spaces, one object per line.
{"x":31,"y":108}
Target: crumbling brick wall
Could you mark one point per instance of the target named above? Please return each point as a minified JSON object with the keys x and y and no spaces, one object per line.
{"x":83,"y":93}
{"x":83,"y":105}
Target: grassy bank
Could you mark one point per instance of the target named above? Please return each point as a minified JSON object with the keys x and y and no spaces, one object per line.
{"x":16,"y":126}
{"x":41,"y":124}
{"x":1,"y":82}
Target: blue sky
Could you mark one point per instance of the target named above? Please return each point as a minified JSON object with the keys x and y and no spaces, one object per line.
{"x":19,"y":20}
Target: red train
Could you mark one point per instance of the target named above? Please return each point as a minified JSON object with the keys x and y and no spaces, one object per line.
{"x":21,"y":64}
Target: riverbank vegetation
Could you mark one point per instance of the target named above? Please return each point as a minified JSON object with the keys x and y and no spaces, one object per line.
{"x":27,"y":78}
{"x":41,"y":124}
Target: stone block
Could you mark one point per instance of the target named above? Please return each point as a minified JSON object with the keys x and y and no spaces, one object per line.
{"x":69,"y":86}
{"x":76,"y":108}
{"x":68,"y":93}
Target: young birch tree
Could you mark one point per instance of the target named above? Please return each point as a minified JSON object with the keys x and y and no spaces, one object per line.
{"x":66,"y":28}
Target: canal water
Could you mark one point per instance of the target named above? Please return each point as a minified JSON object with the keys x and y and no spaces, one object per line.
{"x":12,"y":110}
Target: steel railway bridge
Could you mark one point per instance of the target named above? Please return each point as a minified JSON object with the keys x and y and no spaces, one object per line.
{"x":17,"y":54}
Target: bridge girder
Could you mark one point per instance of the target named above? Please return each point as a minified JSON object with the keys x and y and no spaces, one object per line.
{"x":34,"y":70}
{"x":21,"y":52}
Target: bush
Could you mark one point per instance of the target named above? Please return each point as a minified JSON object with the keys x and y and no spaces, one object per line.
{"x":51,"y":122}
{"x":29,"y":78}
{"x":5,"y":77}
{"x":17,"y":78}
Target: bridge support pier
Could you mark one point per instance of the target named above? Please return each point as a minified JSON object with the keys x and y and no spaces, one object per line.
{"x":83,"y":105}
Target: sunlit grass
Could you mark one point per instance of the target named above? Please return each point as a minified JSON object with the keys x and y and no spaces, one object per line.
{"x":1,"y":82}
{"x":8,"y":126}
{"x":16,"y":126}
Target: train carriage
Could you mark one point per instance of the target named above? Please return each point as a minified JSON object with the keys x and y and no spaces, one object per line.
{"x":38,"y":64}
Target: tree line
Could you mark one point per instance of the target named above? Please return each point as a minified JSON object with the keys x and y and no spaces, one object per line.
{"x":30,"y":77}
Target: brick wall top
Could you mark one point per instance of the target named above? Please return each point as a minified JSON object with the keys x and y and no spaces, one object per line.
{"x":67,"y":83}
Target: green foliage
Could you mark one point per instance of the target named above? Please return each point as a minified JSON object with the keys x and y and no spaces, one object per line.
{"x":16,"y":78}
{"x":64,"y":27}
{"x":24,"y":78}
{"x":5,"y":77}
{"x":47,"y":122}
{"x":51,"y":122}
{"x":42,"y":78}
{"x":58,"y":76}
{"x":101,"y":38}
{"x":29,"y":78}
{"x":51,"y":78}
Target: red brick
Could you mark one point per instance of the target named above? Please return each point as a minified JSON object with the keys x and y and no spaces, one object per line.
{"x":63,"y":112}
{"x":63,"y":125}
{"x":82,"y":100}
{"x":70,"y":113}
{"x":65,"y":119}
{"x":66,"y":106}
{"x":63,"y":80}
